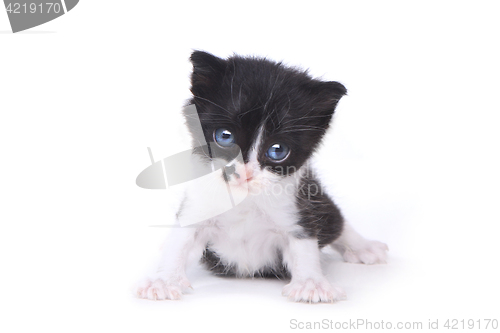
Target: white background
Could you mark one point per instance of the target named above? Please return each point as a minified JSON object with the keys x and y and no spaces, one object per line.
{"x":412,"y":159}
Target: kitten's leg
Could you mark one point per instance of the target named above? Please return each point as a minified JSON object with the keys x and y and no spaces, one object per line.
{"x":357,"y":249}
{"x":170,"y":279}
{"x":308,"y":283}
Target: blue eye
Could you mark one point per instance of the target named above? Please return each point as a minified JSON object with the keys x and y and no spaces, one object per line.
{"x":224,"y":137}
{"x":278,"y":152}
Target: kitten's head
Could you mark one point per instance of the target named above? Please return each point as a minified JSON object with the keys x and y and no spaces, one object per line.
{"x":274,"y":116}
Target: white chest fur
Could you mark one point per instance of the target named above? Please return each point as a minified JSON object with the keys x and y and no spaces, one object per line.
{"x":250,"y":236}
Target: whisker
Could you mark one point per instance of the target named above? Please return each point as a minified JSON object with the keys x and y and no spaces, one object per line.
{"x":302,"y":130}
{"x":304,"y":117}
{"x":232,"y":79}
{"x":244,"y":113}
{"x":239,"y":95}
{"x":304,"y":126}
{"x":286,"y":113}
{"x":209,"y":101}
{"x":272,"y":92}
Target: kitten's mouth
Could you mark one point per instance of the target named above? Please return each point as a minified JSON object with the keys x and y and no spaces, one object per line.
{"x":243,"y":182}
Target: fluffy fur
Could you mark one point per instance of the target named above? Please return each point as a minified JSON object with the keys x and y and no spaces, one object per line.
{"x":281,"y":226}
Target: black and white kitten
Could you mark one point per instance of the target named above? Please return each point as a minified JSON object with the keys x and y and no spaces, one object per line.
{"x":261,"y":121}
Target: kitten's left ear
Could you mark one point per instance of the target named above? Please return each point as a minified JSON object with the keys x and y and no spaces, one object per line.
{"x":328,"y":94}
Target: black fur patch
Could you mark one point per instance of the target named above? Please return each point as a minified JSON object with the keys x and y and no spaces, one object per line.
{"x":214,"y":264}
{"x":319,"y":216}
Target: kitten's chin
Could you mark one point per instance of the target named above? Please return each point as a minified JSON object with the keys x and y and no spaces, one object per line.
{"x":242,"y":186}
{"x":251,"y":186}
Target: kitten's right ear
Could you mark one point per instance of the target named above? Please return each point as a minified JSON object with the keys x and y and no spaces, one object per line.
{"x":207,"y":69}
{"x":206,"y":63}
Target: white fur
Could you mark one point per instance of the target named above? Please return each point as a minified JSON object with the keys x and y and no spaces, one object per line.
{"x":249,"y":235}
{"x":308,"y":282}
{"x":356,"y":249}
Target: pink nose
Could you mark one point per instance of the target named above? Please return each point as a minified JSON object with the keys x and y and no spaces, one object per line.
{"x":246,"y":174}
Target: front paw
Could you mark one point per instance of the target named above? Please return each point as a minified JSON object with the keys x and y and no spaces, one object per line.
{"x":370,"y":252}
{"x":313,"y":291}
{"x":161,"y":289}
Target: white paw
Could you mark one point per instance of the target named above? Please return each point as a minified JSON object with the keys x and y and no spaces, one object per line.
{"x":369,"y":252}
{"x":313,"y":291}
{"x":160,"y":289}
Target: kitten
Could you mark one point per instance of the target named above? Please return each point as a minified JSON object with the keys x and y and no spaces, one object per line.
{"x":261,"y":122}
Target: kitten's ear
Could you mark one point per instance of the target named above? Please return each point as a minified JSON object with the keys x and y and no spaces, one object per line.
{"x":328,"y":94}
{"x":207,"y":69}
{"x":324,"y":97}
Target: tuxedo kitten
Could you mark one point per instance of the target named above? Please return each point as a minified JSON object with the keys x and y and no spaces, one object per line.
{"x":260,"y":123}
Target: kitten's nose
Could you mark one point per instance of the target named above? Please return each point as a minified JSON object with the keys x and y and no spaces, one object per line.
{"x":248,"y":173}
{"x":243,"y":174}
